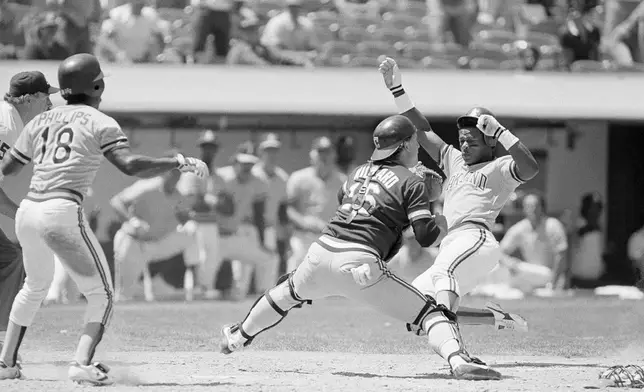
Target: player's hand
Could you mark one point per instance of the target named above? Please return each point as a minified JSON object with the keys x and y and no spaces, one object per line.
{"x":441,"y":222}
{"x":433,"y":180}
{"x":140,"y":227}
{"x":192,"y":165}
{"x":390,"y":73}
{"x":361,"y":274}
{"x":489,"y":125}
{"x":190,"y":227}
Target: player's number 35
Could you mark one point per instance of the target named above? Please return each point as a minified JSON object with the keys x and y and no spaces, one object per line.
{"x":58,"y":140}
{"x":369,"y":201}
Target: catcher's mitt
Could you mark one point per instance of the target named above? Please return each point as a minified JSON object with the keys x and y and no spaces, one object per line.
{"x":433,"y":180}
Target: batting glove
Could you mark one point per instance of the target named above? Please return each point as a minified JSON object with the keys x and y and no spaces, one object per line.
{"x":361,"y":274}
{"x":489,"y":126}
{"x":391,"y":74}
{"x":192,"y":165}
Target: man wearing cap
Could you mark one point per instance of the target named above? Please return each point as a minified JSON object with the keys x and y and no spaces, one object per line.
{"x":28,"y":96}
{"x":241,"y":204}
{"x":277,"y":230}
{"x":153,"y":210}
{"x":312,"y":200}
{"x":203,"y":223}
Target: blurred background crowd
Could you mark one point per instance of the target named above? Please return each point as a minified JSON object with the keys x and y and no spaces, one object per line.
{"x":189,"y":250}
{"x":553,"y":35}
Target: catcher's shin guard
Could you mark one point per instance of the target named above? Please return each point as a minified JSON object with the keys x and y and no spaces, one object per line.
{"x":271,"y":308}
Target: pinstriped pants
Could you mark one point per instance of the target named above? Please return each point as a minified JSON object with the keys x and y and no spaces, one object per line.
{"x":465,"y":257}
{"x":58,"y":228}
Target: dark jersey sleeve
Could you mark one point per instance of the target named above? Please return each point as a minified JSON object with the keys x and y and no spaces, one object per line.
{"x":416,"y":200}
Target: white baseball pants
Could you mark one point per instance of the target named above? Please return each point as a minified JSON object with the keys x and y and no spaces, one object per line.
{"x":58,"y":227}
{"x":244,"y":246}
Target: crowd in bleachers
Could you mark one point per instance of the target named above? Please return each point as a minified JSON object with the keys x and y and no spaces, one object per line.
{"x":578,"y":35}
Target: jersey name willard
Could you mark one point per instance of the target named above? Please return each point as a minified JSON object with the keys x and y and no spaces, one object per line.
{"x":384,"y":176}
{"x":477,"y":179}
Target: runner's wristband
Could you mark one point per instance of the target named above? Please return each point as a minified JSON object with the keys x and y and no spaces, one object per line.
{"x":507,"y":139}
{"x":403,"y":102}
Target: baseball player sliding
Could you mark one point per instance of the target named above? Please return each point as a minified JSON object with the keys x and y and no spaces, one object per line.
{"x":28,"y":96}
{"x":377,"y":203}
{"x":476,"y":188}
{"x":66,"y":146}
{"x":311,"y":198}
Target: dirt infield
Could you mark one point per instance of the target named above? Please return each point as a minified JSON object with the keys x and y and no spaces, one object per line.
{"x":308,"y":371}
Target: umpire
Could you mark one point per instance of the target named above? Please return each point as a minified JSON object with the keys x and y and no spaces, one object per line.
{"x":28,"y":96}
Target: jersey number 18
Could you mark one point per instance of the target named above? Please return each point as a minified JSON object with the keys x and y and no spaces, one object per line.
{"x":60,"y":143}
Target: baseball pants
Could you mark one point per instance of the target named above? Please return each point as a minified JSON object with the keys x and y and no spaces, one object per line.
{"x":465,"y":258}
{"x":58,"y":227}
{"x":244,"y":246}
{"x":12,"y":276}
{"x":132,"y":256}
{"x":300,"y":243}
{"x":326,"y":272}
{"x":203,"y":252}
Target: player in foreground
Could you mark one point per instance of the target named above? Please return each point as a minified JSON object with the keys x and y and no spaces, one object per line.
{"x":377,"y":203}
{"x":477,"y":187}
{"x":66,"y":146}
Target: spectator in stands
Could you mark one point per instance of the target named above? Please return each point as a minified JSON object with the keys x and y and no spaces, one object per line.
{"x":530,"y":58}
{"x":291,"y":35}
{"x":452,"y":16}
{"x":77,"y":16}
{"x":358,"y":8}
{"x":10,"y":32}
{"x":43,"y":40}
{"x":134,"y":33}
{"x":212,"y":17}
{"x":636,"y":249}
{"x":246,"y":48}
{"x":587,"y":266}
{"x":618,"y":42}
{"x":580,"y":37}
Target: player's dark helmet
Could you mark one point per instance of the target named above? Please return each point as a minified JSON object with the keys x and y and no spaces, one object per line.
{"x":81,"y":74}
{"x":390,"y":134}
{"x":471,"y":117}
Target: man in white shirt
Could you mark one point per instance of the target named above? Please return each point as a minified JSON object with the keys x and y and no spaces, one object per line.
{"x":542,"y":243}
{"x":28,"y":96}
{"x":291,"y":35}
{"x":211,"y":17}
{"x":133,"y":33}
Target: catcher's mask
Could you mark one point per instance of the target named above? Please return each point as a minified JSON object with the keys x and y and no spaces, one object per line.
{"x":470,"y":120}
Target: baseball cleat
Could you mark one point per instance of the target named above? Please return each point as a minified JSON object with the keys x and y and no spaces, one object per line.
{"x":10,"y":372}
{"x":94,"y":374}
{"x":473,"y":369}
{"x":230,"y":341}
{"x":504,"y":320}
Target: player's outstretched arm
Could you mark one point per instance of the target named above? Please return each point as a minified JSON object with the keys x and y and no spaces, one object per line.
{"x":427,"y":138}
{"x":526,"y":166}
{"x":145,"y":167}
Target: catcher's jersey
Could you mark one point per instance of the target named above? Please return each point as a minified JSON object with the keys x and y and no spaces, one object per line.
{"x":10,"y":127}
{"x":67,"y":145}
{"x":475,"y":193}
{"x":395,"y":197}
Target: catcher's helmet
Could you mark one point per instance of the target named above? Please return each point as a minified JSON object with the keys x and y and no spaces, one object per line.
{"x":81,"y":74}
{"x":390,"y":134}
{"x":471,"y":117}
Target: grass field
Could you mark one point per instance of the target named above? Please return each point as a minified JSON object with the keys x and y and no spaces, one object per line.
{"x":335,"y":345}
